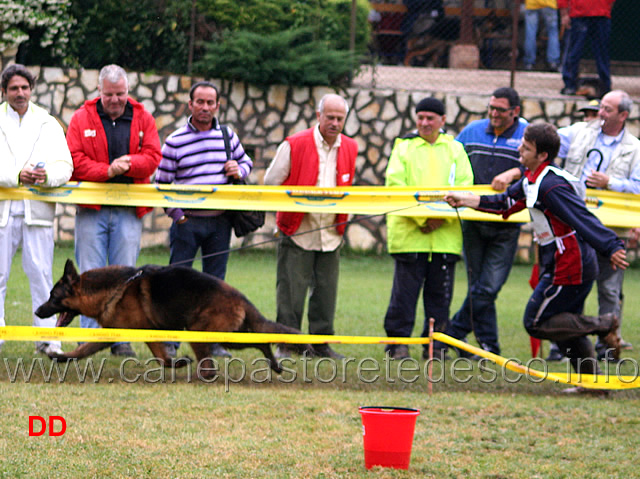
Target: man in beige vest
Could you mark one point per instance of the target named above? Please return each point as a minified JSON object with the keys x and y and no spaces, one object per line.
{"x":605,"y":155}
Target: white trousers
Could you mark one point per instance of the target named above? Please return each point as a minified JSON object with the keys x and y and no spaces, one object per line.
{"x":37,"y":262}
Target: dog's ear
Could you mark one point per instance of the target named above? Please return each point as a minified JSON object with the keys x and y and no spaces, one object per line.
{"x":70,"y":270}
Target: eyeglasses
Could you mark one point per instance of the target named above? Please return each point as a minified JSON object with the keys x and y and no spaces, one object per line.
{"x":499,"y":109}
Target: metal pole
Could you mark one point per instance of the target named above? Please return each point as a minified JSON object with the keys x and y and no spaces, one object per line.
{"x":429,"y":373}
{"x":192,"y":36}
{"x":515,"y":17}
{"x":352,"y":33}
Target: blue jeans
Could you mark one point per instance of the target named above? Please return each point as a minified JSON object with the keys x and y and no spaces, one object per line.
{"x":434,"y":274}
{"x":550,"y":17}
{"x":598,"y":30}
{"x":212,"y":234}
{"x":489,"y":249}
{"x":108,"y":236}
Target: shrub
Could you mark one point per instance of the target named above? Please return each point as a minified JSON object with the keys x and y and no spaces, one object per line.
{"x":293,"y":57}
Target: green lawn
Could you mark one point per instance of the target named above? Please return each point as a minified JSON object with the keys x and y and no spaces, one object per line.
{"x":140,"y":421}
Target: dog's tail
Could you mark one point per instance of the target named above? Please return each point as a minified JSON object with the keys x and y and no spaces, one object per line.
{"x":259,"y":324}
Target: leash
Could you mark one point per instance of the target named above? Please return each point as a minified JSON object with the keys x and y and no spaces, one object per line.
{"x":280,"y":238}
{"x":469,"y":294}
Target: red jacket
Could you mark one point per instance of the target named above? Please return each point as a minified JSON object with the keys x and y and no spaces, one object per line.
{"x":587,"y":8}
{"x":88,"y":145}
{"x":304,"y":172}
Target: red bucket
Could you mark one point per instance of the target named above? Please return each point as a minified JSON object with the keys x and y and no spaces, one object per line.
{"x":388,"y":435}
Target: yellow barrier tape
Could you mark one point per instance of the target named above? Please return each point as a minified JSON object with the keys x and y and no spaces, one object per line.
{"x":29,"y":333}
{"x":613,"y":209}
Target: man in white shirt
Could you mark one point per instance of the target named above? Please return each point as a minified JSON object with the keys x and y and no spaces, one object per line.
{"x":33,"y":151}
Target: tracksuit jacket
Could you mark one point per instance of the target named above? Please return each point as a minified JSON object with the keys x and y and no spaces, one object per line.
{"x":88,"y":145}
{"x":489,"y":154}
{"x":566,"y":231}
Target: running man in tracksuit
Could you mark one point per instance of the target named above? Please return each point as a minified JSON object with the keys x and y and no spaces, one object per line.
{"x":567,"y":234}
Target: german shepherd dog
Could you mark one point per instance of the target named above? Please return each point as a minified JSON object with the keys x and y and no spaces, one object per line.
{"x":157,"y":297}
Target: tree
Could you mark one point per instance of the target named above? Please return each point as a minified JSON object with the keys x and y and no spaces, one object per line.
{"x":44,"y":23}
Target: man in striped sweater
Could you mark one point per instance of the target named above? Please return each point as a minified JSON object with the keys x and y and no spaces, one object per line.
{"x":196,"y":155}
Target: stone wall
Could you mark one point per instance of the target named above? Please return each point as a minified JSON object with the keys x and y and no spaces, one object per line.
{"x":263,"y":118}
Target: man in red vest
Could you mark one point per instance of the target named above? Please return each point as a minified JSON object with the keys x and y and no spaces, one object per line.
{"x":309,"y":253}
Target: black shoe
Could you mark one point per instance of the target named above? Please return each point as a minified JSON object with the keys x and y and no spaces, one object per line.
{"x":467,"y":355}
{"x":555,"y":355}
{"x":438,"y":354}
{"x":398,"y":351}
{"x":123,"y":349}
{"x":554,"y":67}
{"x":568,"y":91}
{"x":324,"y":351}
{"x":219,"y":351}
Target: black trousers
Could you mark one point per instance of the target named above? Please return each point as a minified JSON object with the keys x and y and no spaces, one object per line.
{"x":434,"y":274}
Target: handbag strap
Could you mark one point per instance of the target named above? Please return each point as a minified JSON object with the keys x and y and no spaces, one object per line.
{"x":225,"y":138}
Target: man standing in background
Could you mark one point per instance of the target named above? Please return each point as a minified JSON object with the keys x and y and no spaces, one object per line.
{"x":198,"y":154}
{"x":32,"y":152}
{"x":309,"y":253}
{"x":489,"y":246}
{"x":112,"y":139}
{"x":586,"y":19}
{"x":425,"y":250}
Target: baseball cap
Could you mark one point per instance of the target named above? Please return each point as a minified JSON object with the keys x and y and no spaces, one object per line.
{"x":593,"y":105}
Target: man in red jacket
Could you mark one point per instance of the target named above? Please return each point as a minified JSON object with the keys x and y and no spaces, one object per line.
{"x":586,"y":18}
{"x":112,"y":139}
{"x":309,"y":254}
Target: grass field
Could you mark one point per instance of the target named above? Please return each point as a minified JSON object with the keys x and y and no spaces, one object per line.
{"x":136,"y":420}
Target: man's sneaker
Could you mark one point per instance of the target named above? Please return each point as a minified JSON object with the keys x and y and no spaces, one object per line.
{"x":324,"y":351}
{"x":49,"y":349}
{"x":580,"y":390}
{"x":124,"y":350}
{"x":625,"y":345}
{"x":219,"y":351}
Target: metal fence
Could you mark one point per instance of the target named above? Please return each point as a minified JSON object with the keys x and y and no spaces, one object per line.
{"x":428,"y":33}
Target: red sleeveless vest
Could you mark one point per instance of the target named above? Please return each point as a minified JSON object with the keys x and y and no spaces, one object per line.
{"x":304,"y":172}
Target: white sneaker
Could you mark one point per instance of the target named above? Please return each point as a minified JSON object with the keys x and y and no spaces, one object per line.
{"x":49,"y":349}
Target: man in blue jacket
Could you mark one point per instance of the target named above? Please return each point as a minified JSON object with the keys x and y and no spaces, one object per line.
{"x":489,"y":247}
